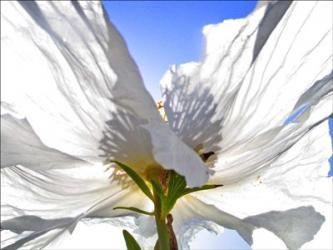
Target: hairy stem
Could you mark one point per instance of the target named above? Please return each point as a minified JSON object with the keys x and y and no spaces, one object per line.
{"x":163,"y":236}
{"x":162,"y":230}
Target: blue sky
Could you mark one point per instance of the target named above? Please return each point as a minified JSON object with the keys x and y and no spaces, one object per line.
{"x":162,"y":33}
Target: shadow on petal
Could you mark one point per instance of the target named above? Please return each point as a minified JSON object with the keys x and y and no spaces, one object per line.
{"x":38,"y":227}
{"x":294,"y":226}
{"x":126,"y":141}
{"x":192,"y":115}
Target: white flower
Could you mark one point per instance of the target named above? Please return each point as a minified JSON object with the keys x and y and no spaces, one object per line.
{"x":250,"y":116}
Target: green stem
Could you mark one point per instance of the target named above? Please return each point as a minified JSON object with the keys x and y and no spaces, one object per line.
{"x":162,"y":230}
{"x":163,"y":236}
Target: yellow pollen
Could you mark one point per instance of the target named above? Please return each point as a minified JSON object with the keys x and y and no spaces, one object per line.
{"x":160,"y":108}
{"x":117,"y":175}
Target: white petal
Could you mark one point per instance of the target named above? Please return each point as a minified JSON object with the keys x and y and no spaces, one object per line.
{"x":74,"y":70}
{"x":191,"y":214}
{"x":262,"y":150}
{"x":20,"y":145}
{"x":51,"y":202}
{"x":294,"y":227}
{"x":77,"y":84}
{"x":190,"y":107}
{"x":283,"y":72}
{"x":107,"y":234}
{"x":67,"y":192}
{"x":296,"y":180}
{"x":40,"y":232}
{"x":171,"y":153}
{"x":267,"y":239}
{"x":257,"y":72}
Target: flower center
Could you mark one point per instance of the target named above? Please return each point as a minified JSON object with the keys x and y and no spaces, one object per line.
{"x":161,"y":110}
{"x":205,"y":156}
{"x":117,"y":175}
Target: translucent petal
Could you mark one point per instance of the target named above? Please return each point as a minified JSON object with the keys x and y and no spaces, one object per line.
{"x":171,"y":153}
{"x":20,"y":145}
{"x":191,"y":215}
{"x":257,"y":72}
{"x":293,"y":227}
{"x":297,"y":179}
{"x":53,"y":201}
{"x":78,"y":86}
{"x":74,"y":71}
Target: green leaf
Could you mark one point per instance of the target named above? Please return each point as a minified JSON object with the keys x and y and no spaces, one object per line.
{"x":176,"y":186}
{"x":159,"y":194}
{"x":158,"y":189}
{"x":136,"y":178}
{"x":134,"y":209}
{"x":196,"y":189}
{"x":130,"y":241}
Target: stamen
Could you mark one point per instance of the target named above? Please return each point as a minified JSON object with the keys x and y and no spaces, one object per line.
{"x":205,"y":156}
{"x":160,"y":108}
{"x":117,"y":175}
{"x":209,"y":158}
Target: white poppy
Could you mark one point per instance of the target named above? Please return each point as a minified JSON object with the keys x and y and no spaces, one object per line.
{"x":251,"y":116}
